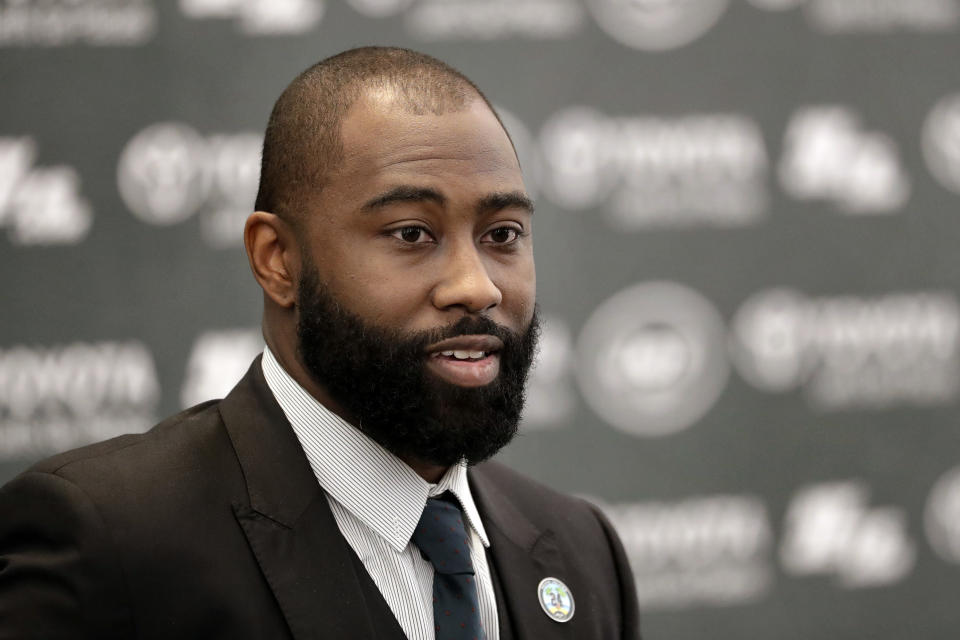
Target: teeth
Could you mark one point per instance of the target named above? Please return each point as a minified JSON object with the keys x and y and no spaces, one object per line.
{"x":464,"y":355}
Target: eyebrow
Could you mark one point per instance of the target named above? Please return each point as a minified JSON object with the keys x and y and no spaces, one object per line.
{"x":505,"y":200}
{"x":405,"y":193}
{"x":490,"y":202}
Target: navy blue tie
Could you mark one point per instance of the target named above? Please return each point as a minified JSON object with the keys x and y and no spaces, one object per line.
{"x":443,"y":539}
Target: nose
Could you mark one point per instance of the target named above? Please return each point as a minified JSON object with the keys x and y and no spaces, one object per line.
{"x":464,"y":283}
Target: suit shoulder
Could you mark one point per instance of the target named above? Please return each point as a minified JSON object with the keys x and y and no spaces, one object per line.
{"x":531,"y":493}
{"x":185,"y":428}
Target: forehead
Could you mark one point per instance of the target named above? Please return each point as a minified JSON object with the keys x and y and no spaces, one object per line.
{"x":382,"y":141}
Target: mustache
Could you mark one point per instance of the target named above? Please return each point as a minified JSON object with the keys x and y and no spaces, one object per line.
{"x":465,"y":326}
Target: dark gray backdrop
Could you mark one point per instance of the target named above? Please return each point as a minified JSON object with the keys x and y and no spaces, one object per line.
{"x":747,"y":215}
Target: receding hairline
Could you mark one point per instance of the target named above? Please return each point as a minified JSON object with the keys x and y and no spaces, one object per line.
{"x":385,"y":105}
{"x":303,"y":141}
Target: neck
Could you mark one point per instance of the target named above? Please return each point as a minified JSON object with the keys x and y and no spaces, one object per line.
{"x":429,"y":472}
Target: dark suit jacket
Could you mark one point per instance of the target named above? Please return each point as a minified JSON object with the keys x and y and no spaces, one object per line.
{"x":212,"y":525}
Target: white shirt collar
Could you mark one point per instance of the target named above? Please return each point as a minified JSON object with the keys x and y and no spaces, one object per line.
{"x":377,"y":487}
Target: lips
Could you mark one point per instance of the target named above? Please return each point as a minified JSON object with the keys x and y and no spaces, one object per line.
{"x":466,"y":361}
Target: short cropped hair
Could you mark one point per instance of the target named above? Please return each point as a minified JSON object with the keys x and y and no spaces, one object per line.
{"x":303,"y":144}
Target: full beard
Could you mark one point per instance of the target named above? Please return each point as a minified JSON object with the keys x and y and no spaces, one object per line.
{"x":379,"y":377}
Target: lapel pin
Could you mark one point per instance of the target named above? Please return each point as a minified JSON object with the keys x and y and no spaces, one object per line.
{"x":556,"y":599}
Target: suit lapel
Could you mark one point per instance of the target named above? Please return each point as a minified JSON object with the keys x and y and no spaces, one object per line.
{"x":310,"y":573}
{"x":288,"y":522}
{"x":523,"y":555}
{"x":503,"y":614}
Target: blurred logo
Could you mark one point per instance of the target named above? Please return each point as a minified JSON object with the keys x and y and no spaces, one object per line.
{"x":941,"y":142}
{"x":656,"y":172}
{"x":40,"y":205}
{"x":218,"y":360}
{"x":851,"y":352}
{"x":941,"y":517}
{"x":872,"y":16}
{"x":651,"y":359}
{"x":703,"y":550}
{"x":490,"y":19}
{"x":59,"y":397}
{"x":161,"y":173}
{"x":550,"y":395}
{"x":829,"y":156}
{"x":656,"y":25}
{"x":58,"y":23}
{"x":168,"y":172}
{"x":831,"y":530}
{"x":260,"y":17}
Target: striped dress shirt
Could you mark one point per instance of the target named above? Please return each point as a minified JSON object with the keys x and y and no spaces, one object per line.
{"x":377,"y":500}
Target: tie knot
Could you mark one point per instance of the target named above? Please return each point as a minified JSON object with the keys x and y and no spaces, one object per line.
{"x":442,"y":537}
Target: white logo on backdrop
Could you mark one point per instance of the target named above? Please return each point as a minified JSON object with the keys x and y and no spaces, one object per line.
{"x":550,"y":394}
{"x":941,"y":518}
{"x":260,"y":17}
{"x":217,"y":361}
{"x":168,"y":171}
{"x":58,"y":397}
{"x":851,"y":352}
{"x":656,"y":25}
{"x":941,"y":142}
{"x":828,"y":155}
{"x":831,"y":530}
{"x":58,"y":23}
{"x":651,"y":359}
{"x":703,"y":550}
{"x":39,"y":205}
{"x":872,"y":16}
{"x":649,"y":172}
{"x":161,"y":173}
{"x":576,"y":150}
{"x":492,"y":19}
{"x":527,"y":151}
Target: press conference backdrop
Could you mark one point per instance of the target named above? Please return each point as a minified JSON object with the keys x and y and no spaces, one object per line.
{"x":746,"y":233}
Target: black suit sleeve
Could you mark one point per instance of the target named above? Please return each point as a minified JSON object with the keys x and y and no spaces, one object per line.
{"x":59,"y":573}
{"x":629,"y":608}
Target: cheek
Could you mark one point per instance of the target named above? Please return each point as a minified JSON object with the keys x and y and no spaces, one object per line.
{"x":349,"y":271}
{"x":378,"y":291}
{"x":392,"y":303}
{"x":519,"y":288}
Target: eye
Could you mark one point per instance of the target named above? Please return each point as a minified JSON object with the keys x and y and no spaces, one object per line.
{"x":412,"y":235}
{"x":502,"y":235}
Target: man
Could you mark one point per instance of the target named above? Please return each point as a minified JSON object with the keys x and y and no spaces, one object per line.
{"x":337,"y":491}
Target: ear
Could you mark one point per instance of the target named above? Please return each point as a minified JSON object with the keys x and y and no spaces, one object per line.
{"x":274,"y":256}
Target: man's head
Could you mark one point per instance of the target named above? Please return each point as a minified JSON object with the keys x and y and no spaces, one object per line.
{"x":393,"y":243}
{"x":303,"y":141}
